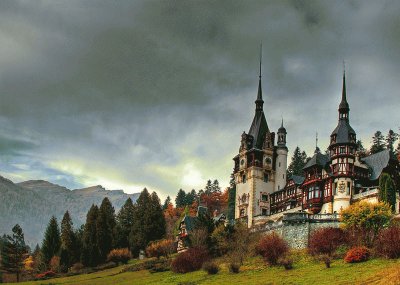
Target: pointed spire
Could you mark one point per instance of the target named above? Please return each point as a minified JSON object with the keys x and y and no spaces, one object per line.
{"x":344,"y":106}
{"x":282,"y":123}
{"x":259,"y":102}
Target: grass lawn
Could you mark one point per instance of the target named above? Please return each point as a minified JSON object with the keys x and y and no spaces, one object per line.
{"x":305,"y":271}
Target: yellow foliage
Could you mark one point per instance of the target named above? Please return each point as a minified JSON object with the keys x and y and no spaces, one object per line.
{"x":29,"y":263}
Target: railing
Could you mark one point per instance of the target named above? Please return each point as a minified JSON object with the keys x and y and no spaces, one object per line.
{"x":365,"y":194}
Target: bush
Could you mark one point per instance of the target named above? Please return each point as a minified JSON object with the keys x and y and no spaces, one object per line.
{"x":388,"y":242}
{"x":272,"y":247}
{"x":190,"y":260}
{"x":287,"y":263}
{"x":153,"y":265}
{"x":211,"y":267}
{"x":160,"y":248}
{"x":45,"y":275}
{"x":77,"y":267}
{"x":326,"y":259}
{"x":122,"y":255}
{"x":357,"y":254}
{"x":234,"y":267}
{"x":55,"y":264}
{"x":326,"y":241}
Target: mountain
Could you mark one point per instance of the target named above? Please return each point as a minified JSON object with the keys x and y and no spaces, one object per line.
{"x":32,"y":203}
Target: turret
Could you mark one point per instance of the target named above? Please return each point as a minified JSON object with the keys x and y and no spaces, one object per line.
{"x":281,"y":159}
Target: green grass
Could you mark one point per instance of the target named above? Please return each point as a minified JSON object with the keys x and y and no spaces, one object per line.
{"x":254,"y":271}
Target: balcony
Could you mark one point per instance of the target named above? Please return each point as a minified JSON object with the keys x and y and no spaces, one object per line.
{"x":365,"y":194}
{"x":315,"y":205}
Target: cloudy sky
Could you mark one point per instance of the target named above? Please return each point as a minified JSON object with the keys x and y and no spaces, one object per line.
{"x":129,"y":94}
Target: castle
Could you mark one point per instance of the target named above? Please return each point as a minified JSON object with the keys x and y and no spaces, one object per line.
{"x":330,"y":183}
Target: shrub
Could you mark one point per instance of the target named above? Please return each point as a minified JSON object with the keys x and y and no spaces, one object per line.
{"x":77,"y":267}
{"x":326,"y":259}
{"x":388,"y":242}
{"x":272,"y":247}
{"x":160,"y":248}
{"x":287,"y":263}
{"x":45,"y":275}
{"x":122,"y":255}
{"x":211,"y":267}
{"x":364,"y":220}
{"x":234,"y":267}
{"x":326,"y":241}
{"x":55,"y":264}
{"x":357,"y":254}
{"x":190,"y":260}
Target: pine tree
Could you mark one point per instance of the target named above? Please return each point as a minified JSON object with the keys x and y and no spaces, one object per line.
{"x":231,"y":198}
{"x":387,"y":192}
{"x":299,"y":160}
{"x":90,"y":251}
{"x":12,"y":253}
{"x":208,"y":189}
{"x":68,"y":255}
{"x":215,"y":187}
{"x":105,"y":226}
{"x":180,"y":200}
{"x":166,"y":203}
{"x":378,"y":142}
{"x":390,"y":139}
{"x":124,"y":224}
{"x":52,"y":241}
{"x":148,"y":222}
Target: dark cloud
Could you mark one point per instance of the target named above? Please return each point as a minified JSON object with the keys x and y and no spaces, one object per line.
{"x":138,"y":93}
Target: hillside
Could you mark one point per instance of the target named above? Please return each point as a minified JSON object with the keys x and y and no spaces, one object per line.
{"x":32,"y":203}
{"x":254,"y":271}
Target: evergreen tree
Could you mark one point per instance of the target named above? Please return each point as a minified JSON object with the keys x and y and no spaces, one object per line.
{"x":378,"y":142}
{"x":390,"y":139}
{"x":209,"y":188}
{"x":90,"y":250}
{"x":105,"y":226}
{"x":68,"y":255}
{"x":231,"y":199}
{"x":360,"y":148}
{"x":180,"y":200}
{"x":215,"y":187}
{"x":387,"y":192}
{"x":190,"y":197}
{"x":148,"y":222}
{"x":12,"y":253}
{"x":124,"y":224}
{"x":299,"y":160}
{"x":52,"y":241}
{"x":166,"y":203}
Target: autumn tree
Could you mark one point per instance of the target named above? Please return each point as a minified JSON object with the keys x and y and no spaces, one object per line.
{"x":378,"y":142}
{"x":52,"y":240}
{"x":364,"y":220}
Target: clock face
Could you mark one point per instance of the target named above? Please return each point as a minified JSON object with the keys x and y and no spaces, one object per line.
{"x":268,"y":160}
{"x":242,"y":162}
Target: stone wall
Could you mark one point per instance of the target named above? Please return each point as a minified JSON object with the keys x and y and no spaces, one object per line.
{"x":296,"y":227}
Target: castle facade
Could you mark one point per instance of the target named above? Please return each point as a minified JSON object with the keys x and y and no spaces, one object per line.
{"x":330,"y":182}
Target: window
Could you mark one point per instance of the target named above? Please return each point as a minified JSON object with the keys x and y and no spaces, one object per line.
{"x":283,"y":176}
{"x":342,"y":149}
{"x":266,"y":178}
{"x":263,"y":211}
{"x":244,"y":178}
{"x":242,"y":212}
{"x":279,"y":164}
{"x":264,"y":197}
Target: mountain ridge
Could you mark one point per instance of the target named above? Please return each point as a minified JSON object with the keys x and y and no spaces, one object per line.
{"x":32,"y":203}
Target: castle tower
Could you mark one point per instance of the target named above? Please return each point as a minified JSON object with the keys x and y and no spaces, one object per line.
{"x":281,"y":159}
{"x":342,"y":151}
{"x":254,"y":169}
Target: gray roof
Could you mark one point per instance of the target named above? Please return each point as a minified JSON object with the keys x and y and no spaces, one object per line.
{"x":318,"y":159}
{"x":298,"y":180}
{"x":342,"y":131}
{"x":258,"y":129}
{"x":377,"y":162}
{"x":189,"y":222}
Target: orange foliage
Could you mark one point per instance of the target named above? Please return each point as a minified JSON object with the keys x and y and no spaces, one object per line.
{"x":55,"y":263}
{"x":29,"y":263}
